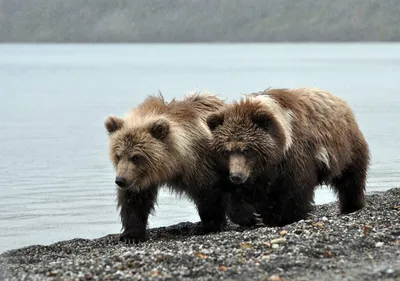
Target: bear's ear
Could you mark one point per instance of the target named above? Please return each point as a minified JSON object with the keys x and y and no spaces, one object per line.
{"x":214,"y":120}
{"x":160,"y":129}
{"x":113,"y":123}
{"x":261,"y":119}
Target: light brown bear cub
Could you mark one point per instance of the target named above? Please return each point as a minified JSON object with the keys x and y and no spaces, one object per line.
{"x":160,"y":143}
{"x":277,"y":146}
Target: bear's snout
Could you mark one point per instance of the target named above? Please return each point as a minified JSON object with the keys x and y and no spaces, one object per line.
{"x":120,"y":181}
{"x":237,"y":178}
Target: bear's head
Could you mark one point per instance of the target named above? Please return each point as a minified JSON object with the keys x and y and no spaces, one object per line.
{"x":248,"y":140}
{"x":140,"y":151}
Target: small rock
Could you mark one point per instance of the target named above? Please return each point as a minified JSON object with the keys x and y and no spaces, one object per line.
{"x":367,"y":229}
{"x":389,"y":271}
{"x":275,"y":246}
{"x":126,"y":254}
{"x":265,"y":257}
{"x":246,"y":245}
{"x":298,"y":230}
{"x":279,"y":240}
{"x":118,"y":272}
{"x":201,"y":255}
{"x":328,"y":254}
{"x":52,"y":274}
{"x":379,"y":244}
{"x":318,"y":224}
{"x":223,"y":268}
{"x":283,"y":233}
{"x":155,"y":272}
{"x":275,"y":277}
{"x":205,"y":251}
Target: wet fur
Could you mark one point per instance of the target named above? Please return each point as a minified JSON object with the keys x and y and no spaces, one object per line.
{"x":171,"y":139}
{"x":298,"y":139}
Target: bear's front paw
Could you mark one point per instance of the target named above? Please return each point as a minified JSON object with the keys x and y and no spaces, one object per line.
{"x":130,"y":237}
{"x":248,"y":221}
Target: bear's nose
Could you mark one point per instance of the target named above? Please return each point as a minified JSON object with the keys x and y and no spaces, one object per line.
{"x":236,"y":178}
{"x":120,"y":181}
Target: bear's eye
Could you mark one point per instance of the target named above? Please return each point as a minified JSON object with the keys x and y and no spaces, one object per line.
{"x":117,"y":158}
{"x":135,"y":159}
{"x":246,"y":151}
{"x":225,"y":153}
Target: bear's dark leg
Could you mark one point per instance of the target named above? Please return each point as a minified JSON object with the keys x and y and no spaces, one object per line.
{"x":288,"y":200}
{"x":297,"y":206}
{"x":211,"y":206}
{"x":240,"y":210}
{"x":350,"y":187}
{"x":135,"y":207}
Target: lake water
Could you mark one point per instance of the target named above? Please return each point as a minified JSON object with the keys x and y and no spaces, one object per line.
{"x":56,"y":181}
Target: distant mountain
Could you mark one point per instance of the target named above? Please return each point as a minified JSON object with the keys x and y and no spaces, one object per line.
{"x":198,"y":20}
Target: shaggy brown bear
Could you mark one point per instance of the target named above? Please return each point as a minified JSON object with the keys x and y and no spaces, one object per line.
{"x":160,"y":143}
{"x":277,"y":146}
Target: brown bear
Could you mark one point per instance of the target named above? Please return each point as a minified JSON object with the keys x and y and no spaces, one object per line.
{"x":159,"y":144}
{"x":277,"y":146}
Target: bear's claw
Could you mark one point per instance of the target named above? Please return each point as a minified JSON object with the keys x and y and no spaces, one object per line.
{"x":132,"y":237}
{"x":258,"y":219}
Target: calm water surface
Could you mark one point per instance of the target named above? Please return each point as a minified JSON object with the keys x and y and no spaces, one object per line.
{"x":56,"y":181}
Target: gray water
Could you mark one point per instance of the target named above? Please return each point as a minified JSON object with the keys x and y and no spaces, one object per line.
{"x":56,"y":180}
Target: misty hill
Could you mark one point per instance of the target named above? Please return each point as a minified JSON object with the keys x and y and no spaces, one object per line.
{"x":198,"y":20}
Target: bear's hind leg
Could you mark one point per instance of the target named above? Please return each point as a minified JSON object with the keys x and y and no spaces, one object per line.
{"x":350,"y":187}
{"x":135,"y":209}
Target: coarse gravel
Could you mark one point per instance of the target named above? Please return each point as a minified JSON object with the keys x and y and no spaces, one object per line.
{"x":364,"y":245}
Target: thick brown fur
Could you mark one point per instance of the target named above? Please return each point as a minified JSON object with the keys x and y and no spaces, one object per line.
{"x":165,"y":143}
{"x":279,"y":145}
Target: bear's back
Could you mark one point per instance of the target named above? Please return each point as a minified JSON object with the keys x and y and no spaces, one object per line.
{"x":322,"y":121}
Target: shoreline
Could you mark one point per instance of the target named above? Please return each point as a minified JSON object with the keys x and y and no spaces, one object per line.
{"x":364,"y":245}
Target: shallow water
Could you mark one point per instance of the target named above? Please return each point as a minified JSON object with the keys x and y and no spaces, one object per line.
{"x":56,"y":180}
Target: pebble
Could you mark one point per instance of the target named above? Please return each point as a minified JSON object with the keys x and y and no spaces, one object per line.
{"x":283,"y":233}
{"x":390,"y":271}
{"x":126,"y":254}
{"x":279,"y":240}
{"x":275,"y":277}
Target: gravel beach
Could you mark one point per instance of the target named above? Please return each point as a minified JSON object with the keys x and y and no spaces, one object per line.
{"x":364,"y":245}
